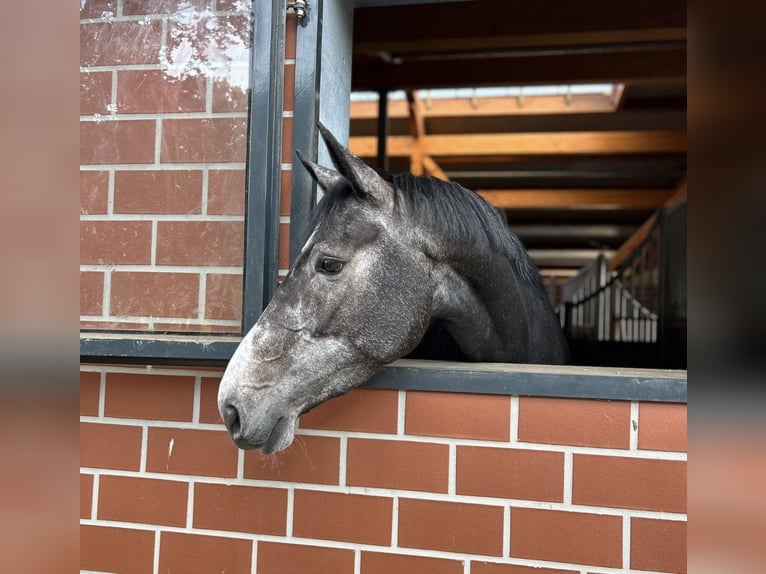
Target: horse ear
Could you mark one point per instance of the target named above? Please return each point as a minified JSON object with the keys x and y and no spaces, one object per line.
{"x":327,"y":178}
{"x":364,"y":180}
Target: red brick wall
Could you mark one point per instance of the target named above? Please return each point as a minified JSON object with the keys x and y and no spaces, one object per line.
{"x":378,"y":481}
{"x":163,"y":104}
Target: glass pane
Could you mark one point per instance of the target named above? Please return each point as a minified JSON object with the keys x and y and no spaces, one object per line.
{"x":163,"y":104}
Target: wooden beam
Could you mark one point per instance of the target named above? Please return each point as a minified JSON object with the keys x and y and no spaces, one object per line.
{"x":458,"y":23}
{"x":577,"y":198}
{"x":634,"y":67}
{"x":448,"y":43}
{"x":489,"y":106}
{"x":642,"y":232}
{"x":551,"y":143}
{"x":632,"y":242}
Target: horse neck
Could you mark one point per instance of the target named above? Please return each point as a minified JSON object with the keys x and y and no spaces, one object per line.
{"x":490,"y":310}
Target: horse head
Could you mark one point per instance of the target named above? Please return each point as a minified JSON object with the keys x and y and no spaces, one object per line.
{"x":358,"y":296}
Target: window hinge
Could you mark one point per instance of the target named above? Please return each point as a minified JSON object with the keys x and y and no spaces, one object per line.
{"x":300,"y":7}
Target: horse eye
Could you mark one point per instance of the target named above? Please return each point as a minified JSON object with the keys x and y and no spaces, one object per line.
{"x":330,"y":265}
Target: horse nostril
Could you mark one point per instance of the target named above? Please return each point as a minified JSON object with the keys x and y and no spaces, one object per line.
{"x":231,"y":419}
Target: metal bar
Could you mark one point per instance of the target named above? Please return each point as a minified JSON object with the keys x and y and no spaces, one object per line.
{"x":564,"y":382}
{"x":308,"y":73}
{"x":264,"y":159}
{"x":144,"y":348}
{"x":382,"y":159}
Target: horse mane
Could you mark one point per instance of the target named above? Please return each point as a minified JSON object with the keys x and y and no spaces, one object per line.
{"x":448,"y":210}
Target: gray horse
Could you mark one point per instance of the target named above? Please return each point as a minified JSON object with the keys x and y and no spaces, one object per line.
{"x":389,"y":259}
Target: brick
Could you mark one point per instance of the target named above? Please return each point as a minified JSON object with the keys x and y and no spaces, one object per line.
{"x":110,"y":446}
{"x":204,"y":140}
{"x":158,"y":191}
{"x":312,"y":459}
{"x":291,"y":36}
{"x":284,"y":246}
{"x":240,"y":508}
{"x":145,"y":500}
{"x":191,"y":451}
{"x":458,"y":415}
{"x":344,"y":517}
{"x":657,"y":545}
{"x":139,"y":7}
{"x":397,"y":464}
{"x":364,"y":410}
{"x":575,"y":422}
{"x":98,"y":8}
{"x":144,"y":293}
{"x":510,"y":473}
{"x":196,"y":554}
{"x":120,"y":43}
{"x":153,"y":397}
{"x":289,"y":88}
{"x":385,"y":563}
{"x":621,"y":482}
{"x":452,"y":527}
{"x":208,"y":407}
{"x":157,"y":91}
{"x":94,"y":191}
{"x":115,"y":242}
{"x":91,"y":292}
{"x":115,"y":141}
{"x":573,"y":537}
{"x":122,"y":550}
{"x":200,"y":243}
{"x":288,"y":149}
{"x":662,"y":426}
{"x":285,"y":183}
{"x":226,"y":192}
{"x":277,"y":558}
{"x":90,"y":385}
{"x":223,"y":296}
{"x":86,"y":495}
{"x":95,"y":92}
{"x":229,"y":96}
{"x":495,"y":568}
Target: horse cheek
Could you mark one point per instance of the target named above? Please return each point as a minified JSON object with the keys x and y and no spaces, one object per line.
{"x":395,"y":315}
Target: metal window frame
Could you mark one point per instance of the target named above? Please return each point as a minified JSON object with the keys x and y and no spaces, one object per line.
{"x":263,"y":171}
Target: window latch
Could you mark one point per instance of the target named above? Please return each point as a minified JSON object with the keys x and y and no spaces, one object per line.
{"x":300,"y":7}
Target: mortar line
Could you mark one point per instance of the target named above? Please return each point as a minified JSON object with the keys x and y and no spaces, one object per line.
{"x":395,"y":522}
{"x":400,"y":412}
{"x":94,"y":501}
{"x":514,"y":419}
{"x":201,"y":296}
{"x":156,"y":561}
{"x":190,"y":506}
{"x":290,"y":511}
{"x":343,"y":461}
{"x":507,"y":531}
{"x":452,"y":470}
{"x":197,"y":398}
{"x":626,"y":542}
{"x":144,"y":447}
{"x":101,"y":393}
{"x":568,"y":476}
{"x":634,"y":425}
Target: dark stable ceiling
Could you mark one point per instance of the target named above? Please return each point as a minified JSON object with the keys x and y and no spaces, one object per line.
{"x":640,"y":45}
